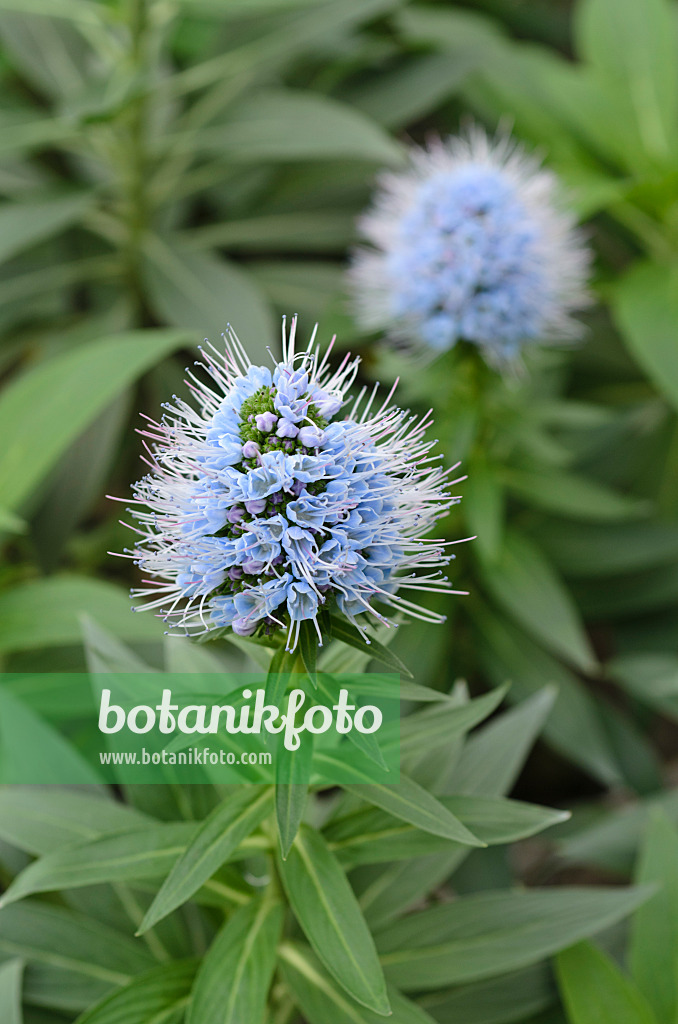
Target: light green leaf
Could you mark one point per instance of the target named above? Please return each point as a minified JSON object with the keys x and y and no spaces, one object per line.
{"x":46,"y":408}
{"x":125,"y":856}
{"x":525,"y":585}
{"x":318,"y":231}
{"x":327,"y":910}
{"x":371,"y":836}
{"x":491,"y":933}
{"x":24,"y":224}
{"x":73,"y":943}
{"x":157,"y":995}
{"x":416,"y":806}
{"x":203,"y":293}
{"x":233,"y":980}
{"x":283,"y":124}
{"x":653,"y":948}
{"x":10,"y":992}
{"x":633,"y":48}
{"x":595,"y":991}
{"x":645,"y":306}
{"x":32,"y":751}
{"x":215,"y":840}
{"x":46,"y":613}
{"x":322,"y":1002}
{"x":40,"y":820}
{"x":293,"y":770}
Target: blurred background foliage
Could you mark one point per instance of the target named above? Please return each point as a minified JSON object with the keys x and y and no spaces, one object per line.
{"x":168,"y":165}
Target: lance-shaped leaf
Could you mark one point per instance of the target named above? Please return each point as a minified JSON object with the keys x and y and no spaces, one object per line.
{"x":323,"y":1002}
{"x":595,"y":991}
{"x":293,"y":769}
{"x":234,"y":978}
{"x":62,"y":940}
{"x":41,"y":820}
{"x":327,"y":910}
{"x":216,"y":839}
{"x":158,"y":995}
{"x":10,"y":992}
{"x":131,"y":855}
{"x":653,"y":952}
{"x":415,"y":805}
{"x":348,"y":634}
{"x":492,"y":933}
{"x":46,"y":408}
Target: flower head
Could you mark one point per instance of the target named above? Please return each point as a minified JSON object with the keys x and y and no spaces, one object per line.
{"x":470,"y":244}
{"x":247,"y":526}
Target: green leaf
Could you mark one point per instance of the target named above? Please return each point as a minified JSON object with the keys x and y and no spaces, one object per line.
{"x":574,"y":728}
{"x":493,"y":757}
{"x":415,"y":805}
{"x":41,"y":820}
{"x":413,"y":89}
{"x":322,"y":1002}
{"x":46,"y":613}
{"x":594,"y":549}
{"x":215,"y":840}
{"x":484,"y":508}
{"x":511,"y":997}
{"x":157,"y":995}
{"x":651,"y":678}
{"x":308,"y":648}
{"x":203,"y":293}
{"x":327,"y":910}
{"x":348,"y":634}
{"x":24,"y":224}
{"x":72,"y":943}
{"x":282,"y":664}
{"x":653,"y":947}
{"x":293,"y":770}
{"x":645,"y":306}
{"x":371,"y":836}
{"x":527,"y":588}
{"x":48,"y":407}
{"x":491,"y":933}
{"x":234,"y":978}
{"x":34,"y":751}
{"x":595,"y":991}
{"x":10,"y":992}
{"x":283,"y":124}
{"x":633,"y":49}
{"x":568,"y":494}
{"x":125,"y":856}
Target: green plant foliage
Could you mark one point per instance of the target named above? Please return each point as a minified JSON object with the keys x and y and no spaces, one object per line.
{"x":166,"y":169}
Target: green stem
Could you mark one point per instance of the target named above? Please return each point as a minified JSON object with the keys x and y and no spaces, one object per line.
{"x":135,"y":171}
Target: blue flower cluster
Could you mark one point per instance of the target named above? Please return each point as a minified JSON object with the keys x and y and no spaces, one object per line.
{"x":470,"y":244}
{"x":266,"y":506}
{"x":464,"y":263}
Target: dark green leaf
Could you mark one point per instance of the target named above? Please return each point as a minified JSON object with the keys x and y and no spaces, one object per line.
{"x":308,"y":648}
{"x":348,"y":634}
